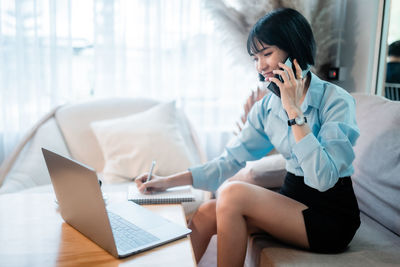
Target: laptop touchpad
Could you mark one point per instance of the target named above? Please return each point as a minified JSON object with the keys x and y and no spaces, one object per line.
{"x":137,"y":214}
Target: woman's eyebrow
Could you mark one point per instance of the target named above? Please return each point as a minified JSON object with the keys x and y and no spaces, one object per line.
{"x":263,"y":49}
{"x":260,"y":51}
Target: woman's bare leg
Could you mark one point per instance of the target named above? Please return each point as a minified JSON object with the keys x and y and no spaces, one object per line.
{"x":203,"y":226}
{"x":241,"y":203}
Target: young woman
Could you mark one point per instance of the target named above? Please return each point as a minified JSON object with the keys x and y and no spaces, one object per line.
{"x":312,"y":124}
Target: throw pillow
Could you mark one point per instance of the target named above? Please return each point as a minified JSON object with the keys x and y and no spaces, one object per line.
{"x":129,"y":144}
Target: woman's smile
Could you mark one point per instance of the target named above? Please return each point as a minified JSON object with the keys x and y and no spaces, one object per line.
{"x":267,"y":75}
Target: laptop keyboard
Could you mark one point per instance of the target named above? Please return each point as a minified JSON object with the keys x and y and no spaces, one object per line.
{"x":127,"y":235}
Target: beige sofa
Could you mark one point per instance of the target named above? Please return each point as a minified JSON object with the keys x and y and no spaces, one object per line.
{"x":68,"y":130}
{"x":376,"y":183}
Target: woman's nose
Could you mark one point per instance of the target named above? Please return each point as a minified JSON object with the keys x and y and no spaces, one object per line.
{"x":261,"y":65}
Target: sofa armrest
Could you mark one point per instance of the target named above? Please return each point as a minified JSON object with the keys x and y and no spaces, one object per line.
{"x":8,"y":163}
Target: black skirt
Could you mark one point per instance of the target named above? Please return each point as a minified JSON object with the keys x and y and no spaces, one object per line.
{"x":332,"y":217}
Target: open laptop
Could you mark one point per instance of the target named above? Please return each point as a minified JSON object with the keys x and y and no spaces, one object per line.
{"x":123,"y":228}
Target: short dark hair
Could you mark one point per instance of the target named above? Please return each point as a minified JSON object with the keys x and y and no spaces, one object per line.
{"x":394,"y":49}
{"x":287,"y":29}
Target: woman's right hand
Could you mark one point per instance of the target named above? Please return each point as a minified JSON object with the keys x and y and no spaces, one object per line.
{"x":156,"y":184}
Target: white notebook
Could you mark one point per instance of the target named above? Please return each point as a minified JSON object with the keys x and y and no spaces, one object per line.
{"x":173,"y":195}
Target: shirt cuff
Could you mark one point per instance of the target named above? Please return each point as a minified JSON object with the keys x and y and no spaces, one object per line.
{"x":198,"y":177}
{"x":305,"y":146}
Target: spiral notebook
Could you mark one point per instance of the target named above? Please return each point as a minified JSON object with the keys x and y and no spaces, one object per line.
{"x":174,"y":195}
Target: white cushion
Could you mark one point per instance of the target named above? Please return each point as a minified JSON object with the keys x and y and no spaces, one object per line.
{"x":74,"y":121}
{"x":129,"y":144}
{"x":30,"y":169}
{"x":268,"y":172}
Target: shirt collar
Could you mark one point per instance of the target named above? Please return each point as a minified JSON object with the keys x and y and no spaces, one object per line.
{"x":313,"y":98}
{"x":314,"y":93}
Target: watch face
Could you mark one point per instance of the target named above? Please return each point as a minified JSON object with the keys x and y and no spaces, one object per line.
{"x":299,"y":120}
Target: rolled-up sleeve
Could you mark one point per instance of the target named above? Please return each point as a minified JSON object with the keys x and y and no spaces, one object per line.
{"x":251,"y":144}
{"x":328,"y":155}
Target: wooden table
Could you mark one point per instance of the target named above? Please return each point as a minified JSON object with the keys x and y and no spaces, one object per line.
{"x":32,"y":233}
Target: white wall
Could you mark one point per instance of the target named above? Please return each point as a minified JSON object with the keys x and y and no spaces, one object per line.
{"x":360,"y":47}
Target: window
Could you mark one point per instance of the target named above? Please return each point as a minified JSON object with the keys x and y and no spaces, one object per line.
{"x":54,"y":52}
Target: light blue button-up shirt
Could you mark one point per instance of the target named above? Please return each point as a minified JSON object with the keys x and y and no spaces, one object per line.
{"x":322,"y":156}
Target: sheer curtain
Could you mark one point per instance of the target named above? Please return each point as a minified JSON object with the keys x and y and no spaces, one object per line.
{"x":54,"y":52}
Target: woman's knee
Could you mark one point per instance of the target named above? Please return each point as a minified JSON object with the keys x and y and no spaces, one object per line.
{"x":232,"y":195}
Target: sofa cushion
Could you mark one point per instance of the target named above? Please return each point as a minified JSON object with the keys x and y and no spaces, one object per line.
{"x":130,"y":143}
{"x":376,"y":175}
{"x":30,"y":170}
{"x":373,"y":245}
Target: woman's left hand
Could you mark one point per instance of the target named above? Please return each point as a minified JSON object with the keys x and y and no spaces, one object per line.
{"x":292,"y":89}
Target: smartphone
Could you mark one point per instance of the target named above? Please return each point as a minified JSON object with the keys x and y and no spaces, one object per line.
{"x":273,"y":87}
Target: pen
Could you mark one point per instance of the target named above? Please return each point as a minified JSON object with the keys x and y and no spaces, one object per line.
{"x":153,"y":163}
